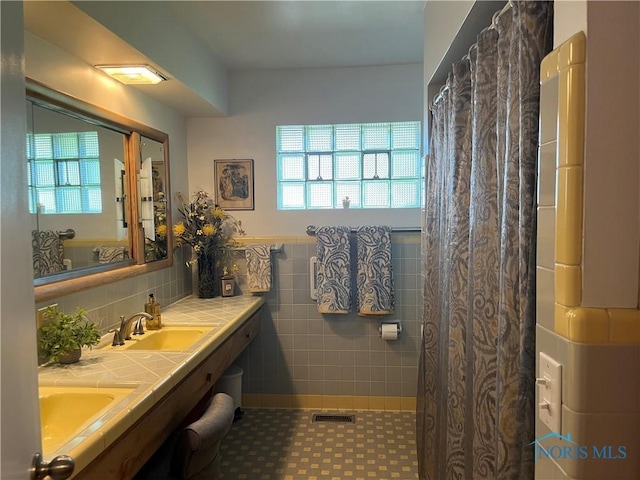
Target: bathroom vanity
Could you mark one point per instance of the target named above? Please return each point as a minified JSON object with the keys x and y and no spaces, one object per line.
{"x":165,"y":385}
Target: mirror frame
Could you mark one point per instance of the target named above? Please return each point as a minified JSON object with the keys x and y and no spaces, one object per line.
{"x":75,"y":281}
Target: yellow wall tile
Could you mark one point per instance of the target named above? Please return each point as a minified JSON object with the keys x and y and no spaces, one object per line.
{"x":330,"y":402}
{"x":625,"y":325}
{"x":276,"y":401}
{"x":573,"y":51}
{"x":392,"y":404}
{"x":299,"y":401}
{"x":361,"y":403}
{"x":376,"y":403}
{"x":549,"y":66}
{"x":568,"y":249}
{"x":314,"y":401}
{"x":589,"y":325}
{"x":252,"y":400}
{"x":345,"y":402}
{"x":568,"y":285}
{"x":408,"y":404}
{"x":571,"y":108}
{"x":561,"y":320}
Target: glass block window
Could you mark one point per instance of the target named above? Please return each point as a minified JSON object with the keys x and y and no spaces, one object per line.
{"x":64,"y":172}
{"x":375,"y":165}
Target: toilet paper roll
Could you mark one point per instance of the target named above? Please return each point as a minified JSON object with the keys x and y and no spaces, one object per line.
{"x":389,"y":331}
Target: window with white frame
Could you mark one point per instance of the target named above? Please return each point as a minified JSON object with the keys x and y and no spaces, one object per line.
{"x":64,"y":172}
{"x":363,"y":165}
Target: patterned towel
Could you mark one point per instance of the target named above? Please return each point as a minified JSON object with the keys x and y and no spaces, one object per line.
{"x":375,"y":276}
{"x":48,"y":252}
{"x":258,"y":268}
{"x":333,"y":275}
{"x":112,"y":254}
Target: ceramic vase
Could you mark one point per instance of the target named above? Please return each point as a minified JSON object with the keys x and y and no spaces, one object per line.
{"x":71,"y":357}
{"x":206,"y":276}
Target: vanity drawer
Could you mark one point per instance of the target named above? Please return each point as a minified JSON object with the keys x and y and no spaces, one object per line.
{"x":246,"y":333}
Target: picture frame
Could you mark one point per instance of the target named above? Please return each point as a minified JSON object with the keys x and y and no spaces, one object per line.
{"x":234,"y":183}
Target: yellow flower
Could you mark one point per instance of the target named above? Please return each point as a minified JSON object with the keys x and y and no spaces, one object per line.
{"x":179,"y":229}
{"x":218,"y":213}
{"x":161,"y":230}
{"x":209,"y":230}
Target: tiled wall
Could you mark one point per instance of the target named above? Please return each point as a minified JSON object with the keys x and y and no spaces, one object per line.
{"x":105,"y":304}
{"x":304,"y":359}
{"x":598,"y":348}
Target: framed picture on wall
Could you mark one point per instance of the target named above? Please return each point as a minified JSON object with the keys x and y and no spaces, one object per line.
{"x":233,"y":180}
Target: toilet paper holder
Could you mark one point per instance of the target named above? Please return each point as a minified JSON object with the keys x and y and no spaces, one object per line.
{"x":397,"y":324}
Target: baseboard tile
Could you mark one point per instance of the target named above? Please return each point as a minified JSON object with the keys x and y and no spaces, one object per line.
{"x":329,"y":402}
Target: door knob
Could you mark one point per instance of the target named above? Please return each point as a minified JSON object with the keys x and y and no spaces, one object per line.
{"x":60,"y":468}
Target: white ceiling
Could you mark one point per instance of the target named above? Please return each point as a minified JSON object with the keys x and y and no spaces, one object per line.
{"x":301,"y":34}
{"x":238,"y":35}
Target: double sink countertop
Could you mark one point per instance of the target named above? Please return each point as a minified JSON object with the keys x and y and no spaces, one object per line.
{"x":151,"y":374}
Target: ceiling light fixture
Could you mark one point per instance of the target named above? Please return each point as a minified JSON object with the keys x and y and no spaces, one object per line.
{"x":133,"y":74}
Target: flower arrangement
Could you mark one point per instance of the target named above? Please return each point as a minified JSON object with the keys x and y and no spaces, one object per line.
{"x":205,"y":226}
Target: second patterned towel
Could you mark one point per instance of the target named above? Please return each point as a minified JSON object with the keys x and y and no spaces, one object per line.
{"x":333,"y":275}
{"x":258,"y":268}
{"x":375,"y":275}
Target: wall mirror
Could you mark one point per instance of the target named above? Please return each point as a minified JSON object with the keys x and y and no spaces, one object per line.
{"x":98,"y":188}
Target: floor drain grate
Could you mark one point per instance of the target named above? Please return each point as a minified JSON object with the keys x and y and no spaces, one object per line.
{"x":321,"y":417}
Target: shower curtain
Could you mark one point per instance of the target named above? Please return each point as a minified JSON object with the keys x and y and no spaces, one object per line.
{"x":475,"y":415}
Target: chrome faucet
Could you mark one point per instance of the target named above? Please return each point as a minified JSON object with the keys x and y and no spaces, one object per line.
{"x":125,"y":325}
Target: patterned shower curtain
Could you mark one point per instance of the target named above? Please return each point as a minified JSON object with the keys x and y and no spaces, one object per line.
{"x":475,"y":415}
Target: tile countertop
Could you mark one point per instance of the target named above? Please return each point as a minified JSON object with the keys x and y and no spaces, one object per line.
{"x":152,"y":373}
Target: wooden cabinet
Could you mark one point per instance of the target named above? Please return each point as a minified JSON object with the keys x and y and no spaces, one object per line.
{"x":124,"y":457}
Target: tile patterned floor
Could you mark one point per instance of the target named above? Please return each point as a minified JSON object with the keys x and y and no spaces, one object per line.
{"x":283,"y":444}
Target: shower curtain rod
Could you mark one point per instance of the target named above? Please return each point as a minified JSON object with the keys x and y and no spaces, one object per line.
{"x":311,"y":230}
{"x":494,"y":19}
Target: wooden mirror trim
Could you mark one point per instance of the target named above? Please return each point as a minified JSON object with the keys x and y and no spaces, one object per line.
{"x":65,"y":284}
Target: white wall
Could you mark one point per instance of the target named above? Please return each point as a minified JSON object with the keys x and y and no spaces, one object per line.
{"x":260,"y":101}
{"x":569,"y":17}
{"x":442,"y":22}
{"x":611,"y":235}
{"x":20,"y":437}
{"x":66,"y":73}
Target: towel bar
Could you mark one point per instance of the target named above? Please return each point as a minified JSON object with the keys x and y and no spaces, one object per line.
{"x":311,"y":230}
{"x":277,"y":248}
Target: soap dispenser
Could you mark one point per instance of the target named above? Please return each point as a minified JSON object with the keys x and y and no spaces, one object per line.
{"x":152,"y":307}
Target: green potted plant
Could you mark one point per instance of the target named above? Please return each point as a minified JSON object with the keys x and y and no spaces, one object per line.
{"x":62,"y":336}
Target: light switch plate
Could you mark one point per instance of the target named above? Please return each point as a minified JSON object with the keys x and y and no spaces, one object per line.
{"x":40,"y":314}
{"x":550,"y":392}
